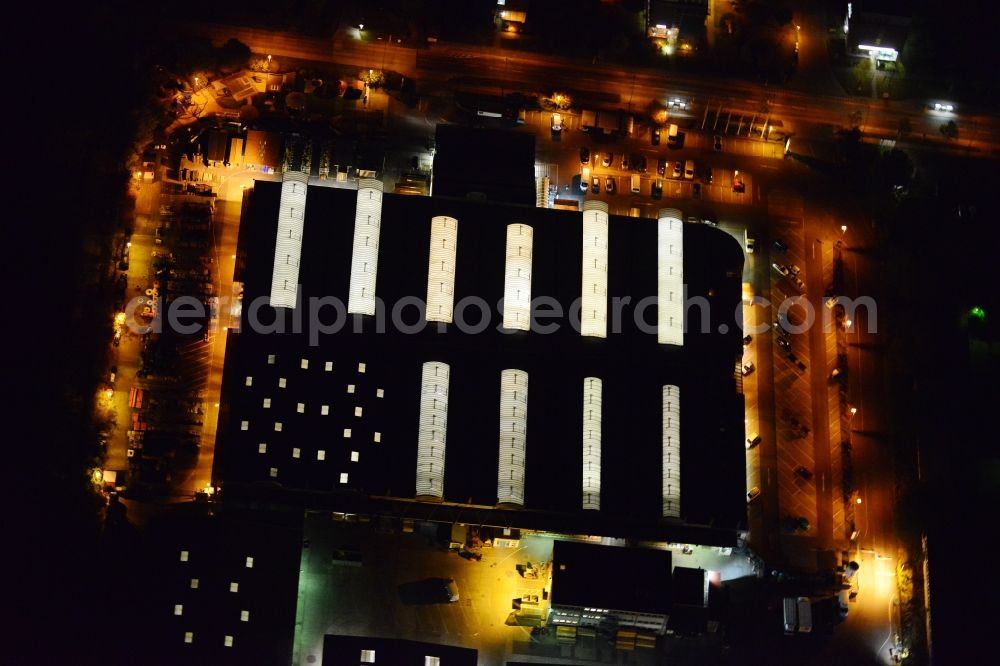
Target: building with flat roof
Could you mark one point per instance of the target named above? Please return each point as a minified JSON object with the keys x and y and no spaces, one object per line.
{"x":341,"y":650}
{"x":610,"y":586}
{"x":385,"y":369}
{"x":877,"y":28}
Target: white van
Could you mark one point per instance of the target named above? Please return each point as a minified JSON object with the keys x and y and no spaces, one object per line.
{"x":791,"y":614}
{"x":585,"y":179}
{"x":635,"y":183}
{"x":672,"y":135}
{"x":689,"y":170}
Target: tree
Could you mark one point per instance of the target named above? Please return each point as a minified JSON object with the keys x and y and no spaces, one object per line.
{"x":949,"y":130}
{"x":233,"y":54}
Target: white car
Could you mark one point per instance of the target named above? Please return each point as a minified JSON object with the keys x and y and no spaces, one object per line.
{"x":753,"y":493}
{"x":676,"y":103}
{"x":938,"y":106}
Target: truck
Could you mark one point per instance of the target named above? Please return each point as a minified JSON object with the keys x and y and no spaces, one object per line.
{"x":805,"y":615}
{"x":791,"y":614}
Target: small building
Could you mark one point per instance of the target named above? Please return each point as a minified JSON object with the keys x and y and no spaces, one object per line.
{"x":610,"y":586}
{"x":676,"y":24}
{"x":262,"y":150}
{"x":216,"y":147}
{"x":877,"y":28}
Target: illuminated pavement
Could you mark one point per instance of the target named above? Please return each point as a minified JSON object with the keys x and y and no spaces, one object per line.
{"x":335,"y":597}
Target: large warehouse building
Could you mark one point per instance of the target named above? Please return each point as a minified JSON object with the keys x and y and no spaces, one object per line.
{"x":375,"y":363}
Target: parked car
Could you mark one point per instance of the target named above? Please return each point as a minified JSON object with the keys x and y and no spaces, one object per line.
{"x":781,"y":269}
{"x":696,"y":191}
{"x":640,"y":163}
{"x":450,"y":589}
{"x":556,"y":123}
{"x":718,"y":142}
{"x":625,"y":163}
{"x":611,"y":185}
{"x":753,"y":439}
{"x":689,"y":170}
{"x":655,"y":136}
{"x":747,"y":339}
{"x":661,"y":166}
{"x":657,"y":190}
{"x":595,"y":184}
{"x":678,"y":169}
{"x":584,"y":155}
{"x":707,"y":177}
{"x":608,"y":159}
{"x":748,"y":368}
{"x":753,"y":493}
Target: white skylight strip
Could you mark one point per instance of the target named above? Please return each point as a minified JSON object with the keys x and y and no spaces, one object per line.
{"x":364,"y":259}
{"x":671,"y":451}
{"x":517,"y":278}
{"x":594,"y":288}
{"x":513,"y":436}
{"x":670,"y":278}
{"x":441,"y":269}
{"x":592,"y":388}
{"x":288,"y":242}
{"x":433,"y":429}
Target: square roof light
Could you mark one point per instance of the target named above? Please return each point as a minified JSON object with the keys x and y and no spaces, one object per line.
{"x":354,"y":456}
{"x":249,"y":381}
{"x":244,"y":616}
{"x":274,"y":472}
{"x":178,"y":609}
{"x":350,"y":388}
{"x":300,"y":408}
{"x":244,"y":425}
{"x":379,"y":393}
{"x":249,"y":562}
{"x":282,"y":382}
{"x":343,"y":477}
{"x":324,"y":410}
{"x":184,"y":556}
{"x":328,"y":366}
{"x":368,"y":656}
{"x":194,"y":583}
{"x":304,"y":363}
{"x":267,"y":403}
{"x":321,"y":455}
{"x":358,"y":411}
{"x":347,"y":433}
{"x":361,"y":368}
{"x":228,"y":642}
{"x":296,"y":452}
{"x":234,"y":587}
{"x":377,"y":437}
{"x":262,"y":447}
{"x":270,"y":359}
{"x":189,"y":637}
{"x":277,"y":426}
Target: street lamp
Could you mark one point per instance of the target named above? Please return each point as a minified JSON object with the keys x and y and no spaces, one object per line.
{"x":843,"y":228}
{"x":853,"y":410}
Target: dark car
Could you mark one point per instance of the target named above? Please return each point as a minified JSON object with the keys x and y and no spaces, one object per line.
{"x":696,"y":191}
{"x":656,"y":191}
{"x":611,"y":185}
{"x":640,"y":163}
{"x":780,"y":247}
{"x":625,"y":163}
{"x":584,"y":155}
{"x":718,"y":142}
{"x":661,"y":166}
{"x":595,"y":185}
{"x":655,"y":136}
{"x":608,"y":159}
{"x":707,"y":177}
